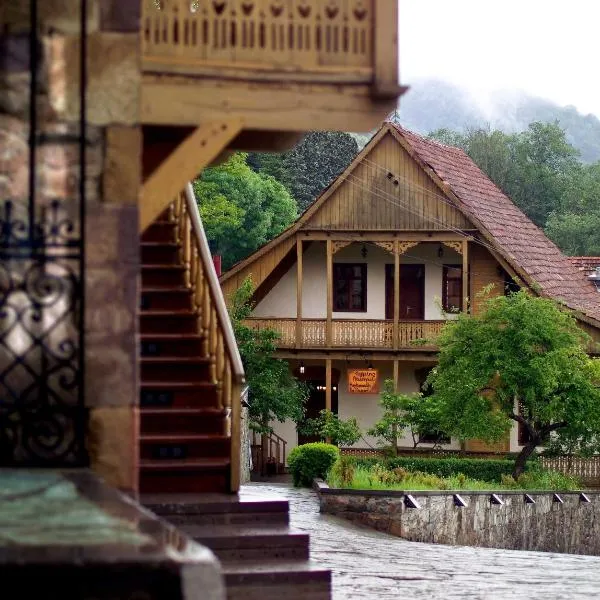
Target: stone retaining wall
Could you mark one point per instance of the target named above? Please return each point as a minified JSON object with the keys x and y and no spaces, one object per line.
{"x":543,"y":521}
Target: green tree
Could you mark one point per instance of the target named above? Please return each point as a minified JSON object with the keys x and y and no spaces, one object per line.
{"x":274,"y":393}
{"x":328,"y":426}
{"x":241,"y":209}
{"x":310,"y":165}
{"x":521,"y":360}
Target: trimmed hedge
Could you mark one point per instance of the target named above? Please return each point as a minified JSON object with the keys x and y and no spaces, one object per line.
{"x":309,"y":461}
{"x":483,"y":469}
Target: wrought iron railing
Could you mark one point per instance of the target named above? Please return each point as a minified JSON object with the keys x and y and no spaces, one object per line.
{"x":219,"y":345}
{"x":351,"y":333}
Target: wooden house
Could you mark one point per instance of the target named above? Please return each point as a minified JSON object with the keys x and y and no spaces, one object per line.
{"x":359,"y":285}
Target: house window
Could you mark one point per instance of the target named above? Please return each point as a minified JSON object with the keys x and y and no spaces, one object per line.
{"x":350,"y":287}
{"x":452,"y":288}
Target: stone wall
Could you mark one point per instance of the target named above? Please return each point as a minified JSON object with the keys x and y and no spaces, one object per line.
{"x":569,"y":525}
{"x":245,"y":451}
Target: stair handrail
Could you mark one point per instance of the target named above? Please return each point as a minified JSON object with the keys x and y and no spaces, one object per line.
{"x":219,"y":346}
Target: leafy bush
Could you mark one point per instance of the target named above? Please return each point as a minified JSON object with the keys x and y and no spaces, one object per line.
{"x":310,"y":461}
{"x":482,"y":469}
{"x":343,"y":471}
{"x":341,"y":432}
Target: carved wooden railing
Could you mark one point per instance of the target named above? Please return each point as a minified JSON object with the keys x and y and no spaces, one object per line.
{"x":218,"y":345}
{"x":307,"y":40}
{"x":587,"y":469}
{"x":273,"y":452}
{"x":351,"y":333}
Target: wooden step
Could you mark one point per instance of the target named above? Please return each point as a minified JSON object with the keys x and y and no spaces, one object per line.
{"x":171,"y":344}
{"x":168,"y":446}
{"x":242,"y":542}
{"x":188,"y":369}
{"x":168,"y":321}
{"x":178,"y":394}
{"x":186,"y":475}
{"x":264,"y":580}
{"x":163,"y":276}
{"x":160,"y":298}
{"x":160,"y":252}
{"x":160,"y":231}
{"x":183,"y":420}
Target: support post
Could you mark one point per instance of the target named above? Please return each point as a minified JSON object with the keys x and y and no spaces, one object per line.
{"x":328,"y":384}
{"x":396,"y":328}
{"x":299,"y":277}
{"x":396,"y":374}
{"x":465,"y":275}
{"x":329,"y":292}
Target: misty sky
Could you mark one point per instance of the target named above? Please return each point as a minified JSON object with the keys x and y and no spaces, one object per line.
{"x":548,"y":48}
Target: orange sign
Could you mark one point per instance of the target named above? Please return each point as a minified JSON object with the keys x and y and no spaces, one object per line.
{"x":363,"y":381}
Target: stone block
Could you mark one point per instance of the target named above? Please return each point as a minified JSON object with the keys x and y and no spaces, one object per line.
{"x":113,"y":436}
{"x":113,"y":72}
{"x":14,"y":157}
{"x":123,"y":171}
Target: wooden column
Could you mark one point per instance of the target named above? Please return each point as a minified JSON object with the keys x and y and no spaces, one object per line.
{"x":329,"y":292}
{"x":299,"y":276}
{"x":328,"y":384}
{"x":465,"y":275}
{"x":396,"y":330}
{"x":396,"y":374}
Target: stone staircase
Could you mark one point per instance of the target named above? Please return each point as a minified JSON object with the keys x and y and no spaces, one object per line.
{"x":184,"y":446}
{"x":261,"y":557}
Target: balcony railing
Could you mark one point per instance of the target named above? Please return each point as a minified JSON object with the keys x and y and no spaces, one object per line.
{"x":351,"y":333}
{"x":291,"y":40}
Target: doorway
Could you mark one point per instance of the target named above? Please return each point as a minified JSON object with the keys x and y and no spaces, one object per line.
{"x":412,"y":292}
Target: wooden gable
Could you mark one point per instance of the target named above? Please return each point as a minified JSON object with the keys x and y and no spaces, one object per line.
{"x":386,"y":190}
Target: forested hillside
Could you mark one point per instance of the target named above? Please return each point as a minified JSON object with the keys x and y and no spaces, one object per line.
{"x":431,"y":104}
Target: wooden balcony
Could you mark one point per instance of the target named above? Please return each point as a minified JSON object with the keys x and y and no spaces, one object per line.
{"x":352,"y":333}
{"x":281,"y":52}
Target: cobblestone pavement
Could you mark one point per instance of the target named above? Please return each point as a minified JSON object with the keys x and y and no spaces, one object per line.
{"x":369,"y":564}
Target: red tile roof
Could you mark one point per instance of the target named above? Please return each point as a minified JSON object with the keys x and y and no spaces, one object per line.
{"x":585,"y":263}
{"x":522,"y":244}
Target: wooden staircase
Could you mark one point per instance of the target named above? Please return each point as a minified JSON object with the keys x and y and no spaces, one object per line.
{"x":189,"y":373}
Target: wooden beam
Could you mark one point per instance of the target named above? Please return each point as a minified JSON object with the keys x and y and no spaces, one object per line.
{"x":365,"y":236}
{"x":411,"y":355}
{"x":188,"y":159}
{"x":271,"y":106}
{"x":396,"y":374}
{"x":386,"y":74}
{"x":328,"y":334}
{"x":465,"y":275}
{"x":299,"y":279}
{"x":396,"y":341}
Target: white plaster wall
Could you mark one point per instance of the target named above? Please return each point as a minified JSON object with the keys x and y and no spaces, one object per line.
{"x":280,"y":302}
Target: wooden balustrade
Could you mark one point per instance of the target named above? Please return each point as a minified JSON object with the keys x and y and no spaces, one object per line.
{"x":304,"y":41}
{"x":272,"y":451}
{"x":219,"y":345}
{"x":587,"y":469}
{"x":351,"y":333}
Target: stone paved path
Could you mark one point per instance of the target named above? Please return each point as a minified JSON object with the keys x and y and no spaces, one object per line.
{"x":367,"y":564}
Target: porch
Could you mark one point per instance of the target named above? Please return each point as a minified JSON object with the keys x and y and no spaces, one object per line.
{"x":351,"y":333}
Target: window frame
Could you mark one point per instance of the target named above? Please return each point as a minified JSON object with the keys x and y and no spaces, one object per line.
{"x":363,"y":278}
{"x":445,"y":270}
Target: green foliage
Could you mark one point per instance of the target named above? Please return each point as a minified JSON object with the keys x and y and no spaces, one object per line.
{"x":329,"y":426}
{"x":241,"y":209}
{"x":482,"y":469}
{"x":542,"y":480}
{"x":401,"y":411}
{"x":311,"y":461}
{"x":311,"y":165}
{"x":342,"y":472}
{"x":274,"y":392}
{"x":521,"y":351}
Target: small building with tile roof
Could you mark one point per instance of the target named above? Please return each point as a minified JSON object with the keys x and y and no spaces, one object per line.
{"x":360,"y":285}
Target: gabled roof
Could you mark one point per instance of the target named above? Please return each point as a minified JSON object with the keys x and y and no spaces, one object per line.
{"x":520,"y":242}
{"x":505,"y":228}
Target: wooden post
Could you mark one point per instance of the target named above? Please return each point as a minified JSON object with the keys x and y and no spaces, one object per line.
{"x":328,"y":384}
{"x":465,"y":275}
{"x":385,"y":33}
{"x":395,"y":375}
{"x":299,"y":276}
{"x":396,"y":328}
{"x":329,"y":292}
